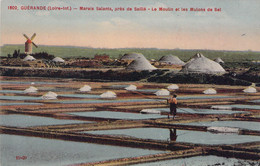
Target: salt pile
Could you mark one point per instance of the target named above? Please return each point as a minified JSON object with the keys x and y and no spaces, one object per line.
{"x":131,"y":87}
{"x":150,"y":111}
{"x":162,"y":92}
{"x":29,"y":58}
{"x":108,"y":94}
{"x":219,"y":60}
{"x":210,"y":91}
{"x":173,"y":87}
{"x":58,"y":59}
{"x":132,"y":56}
{"x":50,"y":96}
{"x":85,"y":88}
{"x":31,"y":89}
{"x":201,"y":64}
{"x":171,"y":60}
{"x":139,"y":64}
{"x":223,"y":129}
{"x":250,"y":89}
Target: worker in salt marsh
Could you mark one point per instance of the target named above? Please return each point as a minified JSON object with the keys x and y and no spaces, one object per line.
{"x":173,"y":106}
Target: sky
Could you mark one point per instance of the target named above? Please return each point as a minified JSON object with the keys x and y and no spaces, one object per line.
{"x":236,"y":27}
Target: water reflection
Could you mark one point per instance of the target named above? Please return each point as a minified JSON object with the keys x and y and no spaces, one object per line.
{"x":173,"y":134}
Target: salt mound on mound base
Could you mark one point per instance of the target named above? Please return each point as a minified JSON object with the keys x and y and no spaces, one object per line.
{"x":150,"y":111}
{"x":31,"y":89}
{"x":29,"y":58}
{"x":131,"y":56}
{"x":58,"y":59}
{"x":173,"y":87}
{"x":108,"y":94}
{"x":250,"y":89}
{"x":131,"y":87}
{"x":85,"y":88}
{"x":162,"y":92}
{"x":139,"y":64}
{"x":210,"y":91}
{"x":201,"y":64}
{"x":50,"y":96}
{"x":172,"y":60}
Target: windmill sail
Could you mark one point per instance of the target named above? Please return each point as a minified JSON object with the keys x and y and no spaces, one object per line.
{"x":26,"y":36}
{"x":33,"y":36}
{"x":34,"y":44}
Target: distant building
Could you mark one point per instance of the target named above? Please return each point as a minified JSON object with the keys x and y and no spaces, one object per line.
{"x":102,"y":57}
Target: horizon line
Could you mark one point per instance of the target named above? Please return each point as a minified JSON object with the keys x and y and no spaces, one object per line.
{"x":249,"y":50}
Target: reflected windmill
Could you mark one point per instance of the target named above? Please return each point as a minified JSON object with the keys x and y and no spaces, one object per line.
{"x":29,"y":43}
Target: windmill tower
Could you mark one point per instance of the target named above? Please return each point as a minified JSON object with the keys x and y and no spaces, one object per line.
{"x":28,"y":44}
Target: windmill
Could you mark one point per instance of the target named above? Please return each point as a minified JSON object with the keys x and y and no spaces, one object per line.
{"x":28,"y":44}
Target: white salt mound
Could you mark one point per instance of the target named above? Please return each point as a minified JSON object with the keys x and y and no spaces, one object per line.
{"x":108,"y":94}
{"x":162,"y":92}
{"x":250,"y":89}
{"x":131,"y":87}
{"x":50,"y":96}
{"x":223,"y":129}
{"x":172,"y":60}
{"x":139,"y":64}
{"x":29,"y":58}
{"x":210,"y":91}
{"x":58,"y":59}
{"x":201,"y":64}
{"x":85,"y":88}
{"x":131,"y":56}
{"x":173,"y":87}
{"x":150,"y":111}
{"x":31,"y":89}
{"x":219,"y":60}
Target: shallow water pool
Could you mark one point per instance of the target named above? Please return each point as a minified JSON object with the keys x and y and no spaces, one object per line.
{"x":19,"y":98}
{"x":88,"y":96}
{"x":238,"y":124}
{"x":201,"y":161}
{"x":147,"y":90}
{"x":51,"y":152}
{"x":241,"y":106}
{"x":11,"y":91}
{"x":181,"y":136}
{"x":27,"y":121}
{"x":203,"y":97}
{"x":10,"y":104}
{"x":117,"y":115}
{"x":103,"y":101}
{"x":118,"y":86}
{"x":200,"y":111}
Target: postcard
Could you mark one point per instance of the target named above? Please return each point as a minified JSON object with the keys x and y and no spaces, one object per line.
{"x":130,"y":82}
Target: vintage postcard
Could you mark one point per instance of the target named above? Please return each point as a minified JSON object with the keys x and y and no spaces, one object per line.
{"x":130,"y":82}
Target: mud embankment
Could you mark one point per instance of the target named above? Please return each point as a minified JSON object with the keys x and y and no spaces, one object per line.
{"x":160,"y":76}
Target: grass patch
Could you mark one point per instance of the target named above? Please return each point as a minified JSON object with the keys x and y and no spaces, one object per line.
{"x":185,"y":55}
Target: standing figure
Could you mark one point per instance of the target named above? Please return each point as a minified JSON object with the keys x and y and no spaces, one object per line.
{"x":173,"y":106}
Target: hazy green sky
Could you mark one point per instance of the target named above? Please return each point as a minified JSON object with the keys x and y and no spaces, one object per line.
{"x":236,"y":27}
